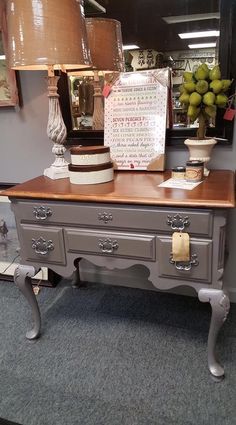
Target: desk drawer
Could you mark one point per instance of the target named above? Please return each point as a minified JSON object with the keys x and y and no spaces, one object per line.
{"x":118,"y":244}
{"x":195,"y":222}
{"x":42,"y":244}
{"x":201,"y":270}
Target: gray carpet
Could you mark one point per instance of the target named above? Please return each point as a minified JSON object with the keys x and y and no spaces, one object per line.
{"x":113,"y":356}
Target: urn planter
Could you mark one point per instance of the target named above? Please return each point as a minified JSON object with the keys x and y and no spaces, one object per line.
{"x":200,"y":149}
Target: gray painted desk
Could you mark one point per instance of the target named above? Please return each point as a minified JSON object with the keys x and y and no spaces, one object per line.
{"x":125,"y":222}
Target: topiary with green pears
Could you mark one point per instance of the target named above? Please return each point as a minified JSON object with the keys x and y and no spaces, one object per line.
{"x":201,"y":93}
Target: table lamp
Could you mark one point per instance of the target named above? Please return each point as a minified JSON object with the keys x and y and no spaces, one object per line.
{"x":49,"y":35}
{"x":105,"y":44}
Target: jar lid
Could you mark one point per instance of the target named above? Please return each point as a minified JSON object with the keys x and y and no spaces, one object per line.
{"x":179,"y":169}
{"x":195,"y":163}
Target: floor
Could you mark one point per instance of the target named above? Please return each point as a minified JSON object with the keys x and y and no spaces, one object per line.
{"x":113,"y":356}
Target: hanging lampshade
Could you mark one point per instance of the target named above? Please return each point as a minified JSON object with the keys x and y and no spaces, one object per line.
{"x":106,"y":47}
{"x":43,"y":33}
{"x":105,"y":43}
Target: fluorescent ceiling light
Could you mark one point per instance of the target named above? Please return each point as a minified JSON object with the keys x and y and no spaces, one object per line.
{"x":188,"y":18}
{"x":199,"y":34}
{"x":201,"y":46}
{"x":2,"y":57}
{"x":130,"y":47}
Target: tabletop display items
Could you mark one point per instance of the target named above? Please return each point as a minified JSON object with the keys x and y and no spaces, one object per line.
{"x":202,"y":92}
{"x":90,"y":165}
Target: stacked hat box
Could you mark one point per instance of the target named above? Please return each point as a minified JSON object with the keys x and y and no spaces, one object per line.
{"x":90,"y":165}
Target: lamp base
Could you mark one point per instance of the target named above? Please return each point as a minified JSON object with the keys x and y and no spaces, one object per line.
{"x":98,"y":113}
{"x":56,"y":131}
{"x":55,"y":173}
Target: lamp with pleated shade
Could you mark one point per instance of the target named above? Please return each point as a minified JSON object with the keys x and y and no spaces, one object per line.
{"x":105,"y":43}
{"x":49,"y":35}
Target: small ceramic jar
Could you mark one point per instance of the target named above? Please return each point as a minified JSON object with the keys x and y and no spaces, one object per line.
{"x":194,"y":171}
{"x":178,"y":173}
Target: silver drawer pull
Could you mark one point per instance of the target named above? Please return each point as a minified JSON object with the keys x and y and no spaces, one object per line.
{"x":178,"y":222}
{"x":105,"y":217}
{"x":108,"y":246}
{"x":185,"y":265}
{"x":42,"y":213}
{"x":41,"y":246}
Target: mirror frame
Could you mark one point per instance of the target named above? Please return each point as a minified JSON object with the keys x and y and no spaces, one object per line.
{"x":223,"y":131}
{"x":11,"y":77}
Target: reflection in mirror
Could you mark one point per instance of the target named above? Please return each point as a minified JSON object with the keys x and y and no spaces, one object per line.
{"x":82,"y":99}
{"x":180,"y":62}
{"x":85,"y":88}
{"x":82,"y":83}
{"x":8,"y":86}
{"x":5,"y":94}
{"x":169,"y":34}
{"x":181,"y":33}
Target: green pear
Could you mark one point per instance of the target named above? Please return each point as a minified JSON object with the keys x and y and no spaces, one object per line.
{"x":226,"y":85}
{"x":204,"y":66}
{"x":188,"y":76}
{"x":216,"y":86}
{"x":193,"y":112}
{"x":190,"y":86}
{"x":195,"y":99}
{"x":209,"y":98}
{"x":215,"y":73}
{"x":201,"y":73}
{"x":211,"y":110}
{"x":202,"y":86}
{"x":221,"y":100}
{"x":184,"y":98}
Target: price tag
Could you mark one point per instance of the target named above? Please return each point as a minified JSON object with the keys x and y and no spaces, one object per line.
{"x":106,"y":90}
{"x":180,"y":246}
{"x":229,"y":114}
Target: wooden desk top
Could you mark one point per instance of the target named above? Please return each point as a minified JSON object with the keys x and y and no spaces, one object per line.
{"x":134,"y":187}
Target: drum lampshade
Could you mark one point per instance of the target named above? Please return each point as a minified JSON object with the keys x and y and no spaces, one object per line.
{"x":105,"y":43}
{"x":44,"y":33}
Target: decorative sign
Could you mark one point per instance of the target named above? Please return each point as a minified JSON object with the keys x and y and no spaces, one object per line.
{"x":136,"y":119}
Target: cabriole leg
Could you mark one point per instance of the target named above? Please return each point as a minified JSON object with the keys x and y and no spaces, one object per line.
{"x":220,"y":308}
{"x":22,"y":278}
{"x":76,"y":282}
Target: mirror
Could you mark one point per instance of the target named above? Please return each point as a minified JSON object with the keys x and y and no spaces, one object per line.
{"x":82,"y":103}
{"x":8,"y":85}
{"x":154,"y":26}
